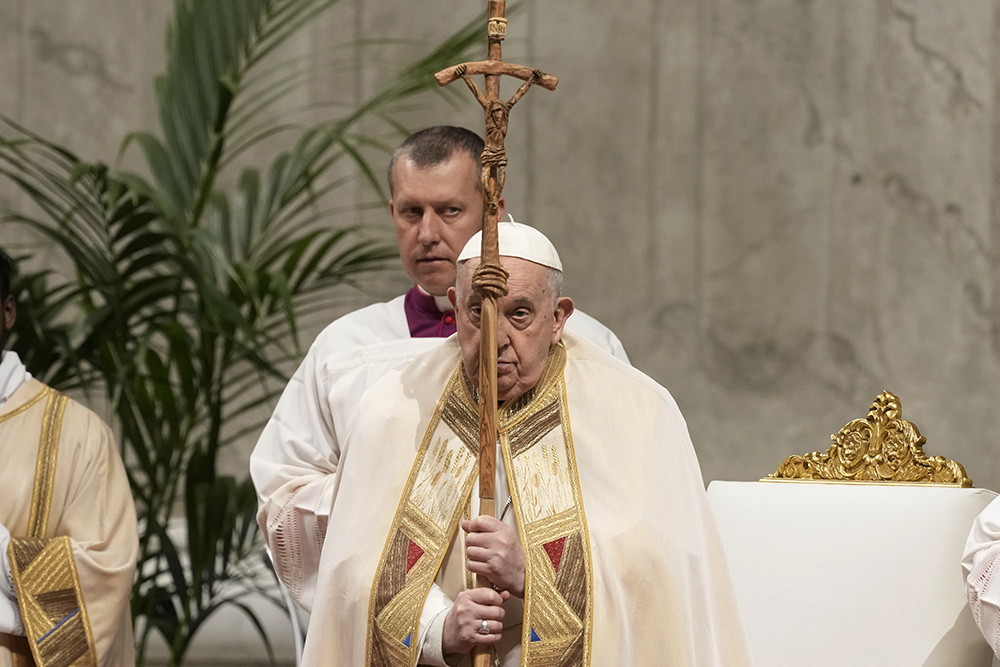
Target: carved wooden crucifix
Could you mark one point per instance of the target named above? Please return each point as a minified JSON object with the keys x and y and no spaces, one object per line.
{"x":490,"y":278}
{"x":496,"y":110}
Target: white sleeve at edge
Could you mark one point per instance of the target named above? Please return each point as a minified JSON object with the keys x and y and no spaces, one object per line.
{"x":10,"y":615}
{"x":980,"y":565}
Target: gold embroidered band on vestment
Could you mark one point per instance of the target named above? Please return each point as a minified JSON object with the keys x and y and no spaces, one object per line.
{"x":49,"y":594}
{"x":27,"y":405}
{"x":45,"y":467}
{"x":537,"y":446}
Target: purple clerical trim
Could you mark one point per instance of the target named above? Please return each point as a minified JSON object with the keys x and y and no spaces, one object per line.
{"x":424,"y":318}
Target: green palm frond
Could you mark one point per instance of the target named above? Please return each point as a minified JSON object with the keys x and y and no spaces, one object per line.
{"x":184,"y":299}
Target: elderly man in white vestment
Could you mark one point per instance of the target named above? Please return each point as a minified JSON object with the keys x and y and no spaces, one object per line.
{"x":68,"y":533}
{"x":436,"y":206}
{"x":604,"y":551}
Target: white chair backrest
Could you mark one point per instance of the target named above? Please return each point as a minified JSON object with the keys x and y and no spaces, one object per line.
{"x":853,"y":558}
{"x":845,"y":575}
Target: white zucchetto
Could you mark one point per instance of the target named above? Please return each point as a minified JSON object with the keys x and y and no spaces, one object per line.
{"x":517,"y":240}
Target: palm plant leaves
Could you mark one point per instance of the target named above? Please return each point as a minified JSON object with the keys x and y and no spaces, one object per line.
{"x":185,"y":298}
{"x":106,"y":230}
{"x":211,"y":46}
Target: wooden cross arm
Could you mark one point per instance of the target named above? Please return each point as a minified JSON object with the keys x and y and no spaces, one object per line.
{"x":496,"y":67}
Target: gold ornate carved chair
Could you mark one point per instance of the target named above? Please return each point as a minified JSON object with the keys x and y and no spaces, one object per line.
{"x":850,"y":557}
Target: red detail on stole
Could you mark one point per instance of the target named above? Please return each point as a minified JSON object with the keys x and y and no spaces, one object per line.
{"x":555,"y":551}
{"x":413,"y":554}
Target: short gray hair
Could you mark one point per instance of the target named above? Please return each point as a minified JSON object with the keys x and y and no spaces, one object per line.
{"x":432,"y":146}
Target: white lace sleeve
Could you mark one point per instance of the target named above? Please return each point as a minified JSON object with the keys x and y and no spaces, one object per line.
{"x":980,"y":565}
{"x":295,"y":463}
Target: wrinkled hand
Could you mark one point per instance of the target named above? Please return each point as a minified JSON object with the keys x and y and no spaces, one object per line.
{"x":461,"y":69}
{"x":466,"y":616}
{"x":493,"y":550}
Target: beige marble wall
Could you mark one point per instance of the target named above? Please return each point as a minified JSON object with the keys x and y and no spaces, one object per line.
{"x":783,"y":207}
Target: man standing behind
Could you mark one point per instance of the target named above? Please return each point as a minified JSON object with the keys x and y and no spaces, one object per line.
{"x":604,"y":550}
{"x":436,"y":206}
{"x":68,"y":532}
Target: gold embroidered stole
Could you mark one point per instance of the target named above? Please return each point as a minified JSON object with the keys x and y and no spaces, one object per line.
{"x":45,"y":577}
{"x":537,"y":446}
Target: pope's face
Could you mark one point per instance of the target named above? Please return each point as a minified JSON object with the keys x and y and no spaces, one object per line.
{"x":435,"y":211}
{"x":529,"y":320}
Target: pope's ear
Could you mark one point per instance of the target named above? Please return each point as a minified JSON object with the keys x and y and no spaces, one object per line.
{"x":451,"y":297}
{"x":564,"y":308}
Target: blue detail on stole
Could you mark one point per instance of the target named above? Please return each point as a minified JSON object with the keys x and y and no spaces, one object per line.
{"x":57,"y":626}
{"x":406,"y":642}
{"x":534,"y":636}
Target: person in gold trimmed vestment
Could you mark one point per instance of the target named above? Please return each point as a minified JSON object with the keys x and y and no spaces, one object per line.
{"x":68,"y":534}
{"x":604,"y":550}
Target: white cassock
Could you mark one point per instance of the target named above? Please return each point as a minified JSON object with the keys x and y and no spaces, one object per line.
{"x":981,"y":565}
{"x":312,"y":417}
{"x":90,"y":503}
{"x":624,"y":565}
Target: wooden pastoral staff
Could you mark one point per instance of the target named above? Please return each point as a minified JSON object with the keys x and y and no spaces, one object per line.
{"x":490,"y":278}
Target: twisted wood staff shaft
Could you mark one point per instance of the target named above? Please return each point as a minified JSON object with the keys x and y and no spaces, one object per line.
{"x":490,"y":278}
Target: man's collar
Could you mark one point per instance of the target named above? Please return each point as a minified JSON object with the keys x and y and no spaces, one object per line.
{"x":12,"y":375}
{"x":423,"y":316}
{"x":441,"y":302}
